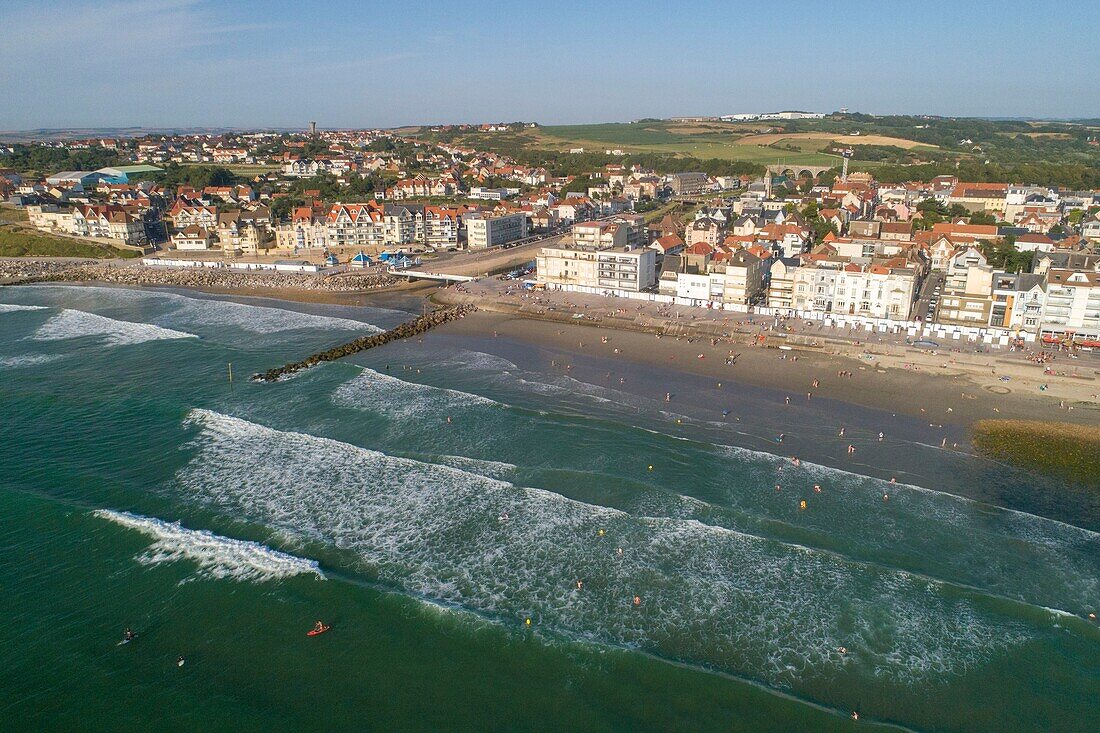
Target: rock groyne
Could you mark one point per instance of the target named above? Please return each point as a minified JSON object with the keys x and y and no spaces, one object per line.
{"x":25,"y":273}
{"x":406,"y":330}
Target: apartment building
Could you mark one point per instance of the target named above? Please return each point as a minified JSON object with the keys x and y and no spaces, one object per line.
{"x":620,"y":268}
{"x":1072,"y":303}
{"x":687,"y":184}
{"x":968,"y":299}
{"x":599,"y":235}
{"x":743,"y":277}
{"x":485,"y":230}
{"x":1018,"y":301}
{"x":876,"y":291}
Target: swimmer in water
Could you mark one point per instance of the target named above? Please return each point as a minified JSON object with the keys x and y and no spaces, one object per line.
{"x":637,"y":600}
{"x":618,"y":552}
{"x":841,"y":433}
{"x":817,"y":488}
{"x":580,"y":584}
{"x":880,"y":437}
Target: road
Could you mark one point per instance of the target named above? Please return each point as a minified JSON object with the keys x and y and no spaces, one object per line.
{"x":933,"y":281}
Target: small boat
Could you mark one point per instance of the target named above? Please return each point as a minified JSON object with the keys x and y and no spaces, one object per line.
{"x":318,"y":631}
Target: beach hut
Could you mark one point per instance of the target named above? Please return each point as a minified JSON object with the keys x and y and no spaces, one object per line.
{"x":391,"y":256}
{"x":331,"y":261}
{"x":361,"y":261}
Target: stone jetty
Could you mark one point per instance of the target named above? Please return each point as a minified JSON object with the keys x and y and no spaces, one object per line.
{"x":25,"y":272}
{"x":406,"y":330}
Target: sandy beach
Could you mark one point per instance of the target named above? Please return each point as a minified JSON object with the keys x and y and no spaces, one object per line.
{"x":949,"y":389}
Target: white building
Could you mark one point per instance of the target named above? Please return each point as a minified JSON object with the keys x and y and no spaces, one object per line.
{"x":486,"y":230}
{"x":611,"y":269}
{"x":1072,"y":303}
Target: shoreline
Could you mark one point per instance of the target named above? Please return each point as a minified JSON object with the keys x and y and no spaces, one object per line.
{"x":947,"y":396}
{"x":943,"y":387}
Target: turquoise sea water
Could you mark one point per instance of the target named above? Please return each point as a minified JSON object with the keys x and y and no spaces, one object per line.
{"x":427,"y":498}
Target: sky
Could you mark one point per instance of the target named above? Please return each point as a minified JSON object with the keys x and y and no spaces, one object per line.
{"x":282,"y":63}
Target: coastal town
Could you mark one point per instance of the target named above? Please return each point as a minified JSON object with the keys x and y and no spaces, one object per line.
{"x":1004,"y":263}
{"x":527,"y":367}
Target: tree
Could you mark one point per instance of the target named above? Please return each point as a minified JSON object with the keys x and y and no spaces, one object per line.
{"x":1002,"y":254}
{"x":579,"y":184}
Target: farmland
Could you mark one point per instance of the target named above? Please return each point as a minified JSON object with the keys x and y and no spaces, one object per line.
{"x":723,"y":141}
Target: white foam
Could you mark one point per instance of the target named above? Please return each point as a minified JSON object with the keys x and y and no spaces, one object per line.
{"x":27,"y":360}
{"x":12,"y":308}
{"x":70,"y":324}
{"x":397,"y":398}
{"x":216,"y":556}
{"x":189,"y":311}
{"x":479,"y":360}
{"x":711,"y":595}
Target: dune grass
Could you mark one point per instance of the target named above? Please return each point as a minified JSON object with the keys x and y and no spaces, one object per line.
{"x":15,"y":243}
{"x":1069,"y":451}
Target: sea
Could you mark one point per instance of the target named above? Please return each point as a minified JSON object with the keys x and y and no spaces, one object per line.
{"x":502,"y":536}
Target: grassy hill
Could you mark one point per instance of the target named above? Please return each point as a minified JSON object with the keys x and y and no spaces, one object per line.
{"x":719,"y":140}
{"x":895,"y":148}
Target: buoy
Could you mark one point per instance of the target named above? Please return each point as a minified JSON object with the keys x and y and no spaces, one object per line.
{"x":651,"y":468}
{"x":679,"y":421}
{"x":802,"y":504}
{"x":600,"y":532}
{"x":527,"y":621}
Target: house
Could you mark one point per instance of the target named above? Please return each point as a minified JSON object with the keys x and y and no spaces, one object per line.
{"x":192,"y":237}
{"x":707,"y":230}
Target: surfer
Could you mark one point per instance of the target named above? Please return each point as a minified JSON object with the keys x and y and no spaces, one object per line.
{"x":318,"y":626}
{"x":180,"y":661}
{"x":128,"y":635}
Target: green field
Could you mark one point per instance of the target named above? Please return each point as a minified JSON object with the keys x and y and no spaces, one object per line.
{"x":698,"y":140}
{"x":7,"y":213}
{"x":17,"y":243}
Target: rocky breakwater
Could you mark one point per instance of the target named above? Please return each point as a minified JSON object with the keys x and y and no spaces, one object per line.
{"x":45,"y":272}
{"x":406,"y":330}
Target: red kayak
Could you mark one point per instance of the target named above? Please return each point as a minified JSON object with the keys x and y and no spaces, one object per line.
{"x":318,"y":632}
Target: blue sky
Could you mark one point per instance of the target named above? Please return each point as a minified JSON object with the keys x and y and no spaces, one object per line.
{"x":352,"y":64}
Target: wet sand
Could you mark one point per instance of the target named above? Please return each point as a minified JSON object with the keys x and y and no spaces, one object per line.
{"x":950,"y":395}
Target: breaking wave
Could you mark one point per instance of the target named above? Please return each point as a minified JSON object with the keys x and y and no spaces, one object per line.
{"x":12,"y":307}
{"x":216,"y":556}
{"x":708,"y":595}
{"x":70,"y":324}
